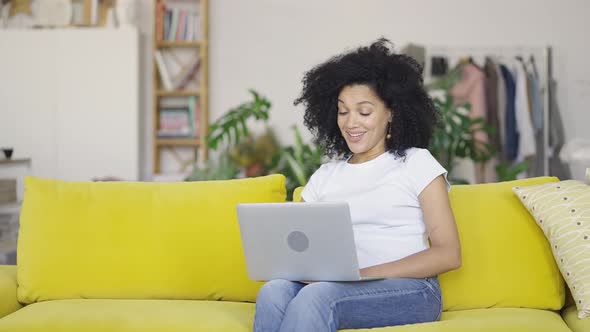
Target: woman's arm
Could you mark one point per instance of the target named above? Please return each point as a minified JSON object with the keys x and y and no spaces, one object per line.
{"x":444,"y":253}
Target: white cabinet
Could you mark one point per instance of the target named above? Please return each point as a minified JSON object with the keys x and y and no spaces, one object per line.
{"x":69,"y":101}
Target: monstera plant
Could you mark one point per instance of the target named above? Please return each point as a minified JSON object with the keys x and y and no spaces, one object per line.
{"x":244,"y":154}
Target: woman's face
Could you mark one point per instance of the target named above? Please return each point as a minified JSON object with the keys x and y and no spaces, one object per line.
{"x":363,"y":120}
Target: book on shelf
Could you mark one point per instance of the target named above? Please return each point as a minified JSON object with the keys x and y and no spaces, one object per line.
{"x":189,"y":28}
{"x":179,"y":36}
{"x":179,"y":117}
{"x":178,"y":72}
{"x":175,"y":122}
{"x":170,"y":31}
{"x":187,"y":73}
{"x":181,"y":21}
{"x":160,"y":20}
{"x":167,"y":19}
{"x":163,"y":70}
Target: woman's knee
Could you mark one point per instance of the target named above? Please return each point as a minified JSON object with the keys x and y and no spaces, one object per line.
{"x":278,"y":291}
{"x":317,"y":295}
{"x":311,"y":309}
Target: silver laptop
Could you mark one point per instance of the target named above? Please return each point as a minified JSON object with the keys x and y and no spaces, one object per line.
{"x":299,"y":241}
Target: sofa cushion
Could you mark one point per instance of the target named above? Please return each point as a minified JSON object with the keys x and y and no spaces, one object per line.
{"x":507,"y":262}
{"x":194,"y":316}
{"x":131,"y":316}
{"x":570,"y":315}
{"x":8,"y":302}
{"x":297,"y":194}
{"x":137,"y":240}
{"x":562,"y":211}
{"x":487,"y":320}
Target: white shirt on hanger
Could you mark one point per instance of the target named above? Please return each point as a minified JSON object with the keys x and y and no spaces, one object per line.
{"x":524,"y":125}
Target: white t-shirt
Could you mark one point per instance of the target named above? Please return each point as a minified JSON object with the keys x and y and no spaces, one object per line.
{"x":382,"y":194}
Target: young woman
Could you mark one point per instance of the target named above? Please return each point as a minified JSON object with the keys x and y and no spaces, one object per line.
{"x":370,"y":110}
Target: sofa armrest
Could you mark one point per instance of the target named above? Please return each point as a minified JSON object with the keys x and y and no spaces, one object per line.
{"x":570,"y":316}
{"x":8,"y":301}
{"x":297,"y":194}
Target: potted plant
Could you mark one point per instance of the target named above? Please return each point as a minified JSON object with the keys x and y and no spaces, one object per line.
{"x":454,"y":137}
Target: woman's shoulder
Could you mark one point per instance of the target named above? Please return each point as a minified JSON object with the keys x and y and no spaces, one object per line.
{"x":413,"y":154}
{"x":331,"y":164}
{"x":420,"y":160}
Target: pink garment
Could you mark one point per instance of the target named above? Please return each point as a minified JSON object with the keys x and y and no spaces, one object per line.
{"x":471,"y":89}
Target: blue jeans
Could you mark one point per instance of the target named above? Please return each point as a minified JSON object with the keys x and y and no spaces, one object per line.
{"x":284,"y":305}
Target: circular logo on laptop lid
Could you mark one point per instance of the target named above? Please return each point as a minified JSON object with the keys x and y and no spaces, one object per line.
{"x":298,"y":241}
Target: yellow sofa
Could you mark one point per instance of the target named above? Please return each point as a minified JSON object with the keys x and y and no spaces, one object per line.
{"x":119,"y":256}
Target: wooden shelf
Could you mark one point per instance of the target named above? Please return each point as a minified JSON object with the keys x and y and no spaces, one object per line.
{"x":178,"y":141}
{"x":9,"y":208}
{"x":197,"y":146}
{"x":15,"y":161}
{"x":167,"y":43}
{"x":178,"y":93}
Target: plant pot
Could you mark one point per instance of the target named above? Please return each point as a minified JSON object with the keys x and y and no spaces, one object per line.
{"x":8,"y":152}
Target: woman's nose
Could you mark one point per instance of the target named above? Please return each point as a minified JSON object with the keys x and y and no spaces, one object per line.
{"x":351,"y":121}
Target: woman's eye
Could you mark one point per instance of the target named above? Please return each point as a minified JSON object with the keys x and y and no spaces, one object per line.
{"x":342,"y":112}
{"x":365,"y":114}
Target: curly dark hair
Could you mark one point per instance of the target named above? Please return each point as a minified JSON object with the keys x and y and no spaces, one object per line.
{"x":395,"y":78}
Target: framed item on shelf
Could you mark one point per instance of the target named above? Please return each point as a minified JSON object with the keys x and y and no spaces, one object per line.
{"x":93,"y":12}
{"x":106,"y":13}
{"x":56,"y":13}
{"x":81,"y":12}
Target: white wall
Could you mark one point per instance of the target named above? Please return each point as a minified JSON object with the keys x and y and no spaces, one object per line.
{"x":269,"y":44}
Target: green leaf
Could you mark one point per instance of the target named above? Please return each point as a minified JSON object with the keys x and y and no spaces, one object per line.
{"x":297,"y":170}
{"x":233,"y":123}
{"x":298,"y":148}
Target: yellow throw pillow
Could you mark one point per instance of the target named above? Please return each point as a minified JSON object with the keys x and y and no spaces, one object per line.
{"x":297,"y":194}
{"x":134,"y":240}
{"x":562,"y":211}
{"x":507,"y":261}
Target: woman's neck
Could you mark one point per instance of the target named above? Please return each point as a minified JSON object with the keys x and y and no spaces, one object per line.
{"x":364,"y":157}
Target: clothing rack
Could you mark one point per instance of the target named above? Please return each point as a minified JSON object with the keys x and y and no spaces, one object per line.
{"x":543,"y":58}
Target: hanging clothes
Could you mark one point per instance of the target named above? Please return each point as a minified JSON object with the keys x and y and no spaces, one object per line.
{"x":556,"y":166}
{"x":526,"y":135}
{"x":538,"y":165}
{"x":439,"y":66}
{"x":511,"y":138}
{"x":535,"y":92}
{"x":471,"y":89}
{"x":492,"y":118}
{"x":501,"y":104}
{"x":491,"y":88}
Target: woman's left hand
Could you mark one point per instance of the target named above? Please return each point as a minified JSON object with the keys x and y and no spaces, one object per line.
{"x":366,"y":272}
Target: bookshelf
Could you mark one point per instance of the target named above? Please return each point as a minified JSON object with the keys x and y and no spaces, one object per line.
{"x":163,"y":44}
{"x":180,"y":26}
{"x":178,"y":93}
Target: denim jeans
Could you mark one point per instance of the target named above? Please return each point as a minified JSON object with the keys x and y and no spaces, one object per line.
{"x":284,"y":305}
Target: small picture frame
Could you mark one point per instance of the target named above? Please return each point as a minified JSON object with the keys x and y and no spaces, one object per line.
{"x":93,"y":12}
{"x":81,"y":12}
